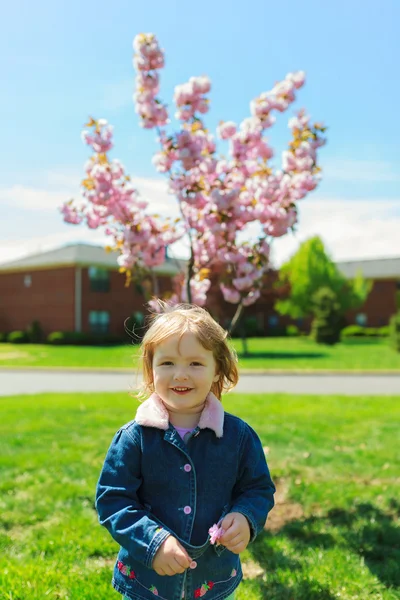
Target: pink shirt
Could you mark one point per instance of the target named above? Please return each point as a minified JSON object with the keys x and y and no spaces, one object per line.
{"x":183,"y":431}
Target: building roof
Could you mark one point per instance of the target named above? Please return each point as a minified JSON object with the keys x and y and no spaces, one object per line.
{"x":81,"y":255}
{"x":87,"y":255}
{"x":372,"y":268}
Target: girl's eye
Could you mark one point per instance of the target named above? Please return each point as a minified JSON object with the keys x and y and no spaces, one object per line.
{"x":167,"y":363}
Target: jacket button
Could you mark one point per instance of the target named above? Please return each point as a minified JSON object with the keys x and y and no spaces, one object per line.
{"x":193,"y":564}
{"x":187,"y":510}
{"x":187,"y":468}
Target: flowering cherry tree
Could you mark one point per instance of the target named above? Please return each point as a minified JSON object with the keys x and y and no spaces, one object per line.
{"x":218,"y":197}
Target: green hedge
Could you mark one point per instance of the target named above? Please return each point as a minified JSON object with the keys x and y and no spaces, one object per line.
{"x":18,"y":337}
{"x":74,"y":338}
{"x":62,"y":338}
{"x":327,"y":322}
{"x":292,"y":331}
{"x":394,"y":327}
{"x":358,"y":331}
{"x":252,"y":329}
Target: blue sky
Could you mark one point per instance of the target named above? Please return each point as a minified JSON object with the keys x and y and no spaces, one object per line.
{"x":62,"y":62}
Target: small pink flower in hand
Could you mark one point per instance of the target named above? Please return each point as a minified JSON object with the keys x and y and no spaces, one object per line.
{"x":215,"y":533}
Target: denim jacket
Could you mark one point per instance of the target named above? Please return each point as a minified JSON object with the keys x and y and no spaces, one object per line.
{"x":153,"y":485}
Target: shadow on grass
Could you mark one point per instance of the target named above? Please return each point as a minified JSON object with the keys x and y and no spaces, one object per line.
{"x":377,"y":540}
{"x":366,"y":530}
{"x":289,"y":355}
{"x":365,"y":341}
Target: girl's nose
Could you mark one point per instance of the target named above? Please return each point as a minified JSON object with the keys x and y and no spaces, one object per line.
{"x":180,"y":375}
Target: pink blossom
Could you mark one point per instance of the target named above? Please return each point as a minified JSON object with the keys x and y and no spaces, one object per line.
{"x":241,"y":283}
{"x":183,"y":94}
{"x":230,"y":295}
{"x":101,"y":139}
{"x":201,"y":85}
{"x":70,"y":213}
{"x":149,"y":55}
{"x":288,"y":161}
{"x":251,"y":297}
{"x":226,"y":129}
{"x":154,"y":305}
{"x":125,"y":260}
{"x":189,"y":97}
{"x":202,"y":106}
{"x":148,"y":59}
{"x":217,"y":197}
{"x":216,"y":533}
{"x":298,"y":78}
{"x":162,"y":162}
{"x":251,"y":125}
{"x":148,"y":81}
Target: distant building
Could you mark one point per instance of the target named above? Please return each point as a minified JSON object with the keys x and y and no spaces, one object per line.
{"x":381,"y":303}
{"x":79,"y":288}
{"x":74,"y":288}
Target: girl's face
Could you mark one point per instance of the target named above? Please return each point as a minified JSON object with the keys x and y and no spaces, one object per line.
{"x":183,"y":373}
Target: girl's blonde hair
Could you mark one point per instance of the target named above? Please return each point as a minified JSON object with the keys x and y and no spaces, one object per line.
{"x":178,"y":320}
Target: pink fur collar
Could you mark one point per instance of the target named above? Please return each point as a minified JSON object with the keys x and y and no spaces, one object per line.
{"x":152,"y":413}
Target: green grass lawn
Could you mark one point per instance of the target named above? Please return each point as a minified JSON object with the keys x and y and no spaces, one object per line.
{"x":265,"y":353}
{"x":334,"y":533}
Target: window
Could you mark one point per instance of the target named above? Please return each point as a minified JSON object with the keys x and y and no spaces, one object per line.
{"x":361,"y":319}
{"x":99,"y":279}
{"x":99,"y":321}
{"x":138,"y":318}
{"x":27,"y":281}
{"x":273,"y":320}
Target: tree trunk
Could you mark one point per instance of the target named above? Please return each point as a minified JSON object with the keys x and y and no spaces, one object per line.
{"x":190,"y":274}
{"x":156,"y":287}
{"x":236,"y":318}
{"x":235,"y":325}
{"x":245,"y":348}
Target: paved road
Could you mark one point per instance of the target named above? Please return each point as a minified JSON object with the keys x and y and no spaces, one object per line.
{"x":33,"y":382}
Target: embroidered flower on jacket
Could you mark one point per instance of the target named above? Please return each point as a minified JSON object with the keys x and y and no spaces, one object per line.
{"x":154,"y":590}
{"x":201,"y":591}
{"x":125,"y":570}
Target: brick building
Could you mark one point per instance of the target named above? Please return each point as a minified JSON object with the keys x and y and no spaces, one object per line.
{"x":73,"y":288}
{"x":383,"y":299}
{"x":79,"y":288}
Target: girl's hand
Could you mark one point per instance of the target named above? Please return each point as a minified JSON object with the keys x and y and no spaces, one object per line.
{"x":171,"y":558}
{"x":237,"y":532}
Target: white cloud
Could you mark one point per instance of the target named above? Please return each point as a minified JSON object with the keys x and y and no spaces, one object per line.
{"x":155,"y":192}
{"x":61,"y":186}
{"x":32,"y":199}
{"x":350,"y":229}
{"x":64,"y":178}
{"x":19,"y":248}
{"x":358,"y":171}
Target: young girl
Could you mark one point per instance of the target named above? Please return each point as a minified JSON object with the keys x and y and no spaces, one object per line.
{"x":183,"y":474}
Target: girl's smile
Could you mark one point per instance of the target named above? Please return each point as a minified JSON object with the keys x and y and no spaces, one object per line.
{"x":181,"y":390}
